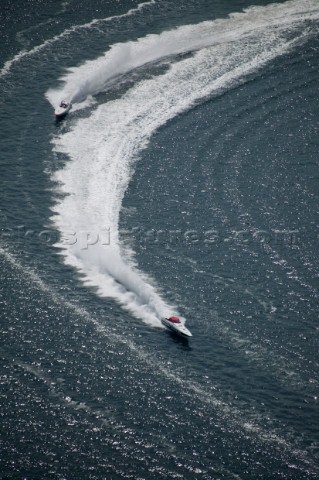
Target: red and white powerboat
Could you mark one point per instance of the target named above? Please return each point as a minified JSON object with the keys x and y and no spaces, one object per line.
{"x":177,"y":326}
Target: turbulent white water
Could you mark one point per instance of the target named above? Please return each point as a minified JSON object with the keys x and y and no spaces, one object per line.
{"x":103,"y":147}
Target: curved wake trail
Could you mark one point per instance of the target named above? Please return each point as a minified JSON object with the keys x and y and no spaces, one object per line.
{"x":103,"y":148}
{"x":92,"y":77}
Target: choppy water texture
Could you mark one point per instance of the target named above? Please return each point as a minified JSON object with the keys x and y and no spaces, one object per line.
{"x":184,"y":180}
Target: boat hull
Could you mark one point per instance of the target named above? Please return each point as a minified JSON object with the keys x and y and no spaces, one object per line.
{"x":61,"y":112}
{"x":177,"y":328}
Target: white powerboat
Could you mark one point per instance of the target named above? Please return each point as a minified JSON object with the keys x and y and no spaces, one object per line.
{"x":177,"y":326}
{"x":62,"y":109}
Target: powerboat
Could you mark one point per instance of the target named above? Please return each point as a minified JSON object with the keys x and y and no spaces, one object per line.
{"x":62,"y":109}
{"x":177,"y":326}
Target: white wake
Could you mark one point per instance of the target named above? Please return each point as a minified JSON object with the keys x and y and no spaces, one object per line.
{"x":103,"y":148}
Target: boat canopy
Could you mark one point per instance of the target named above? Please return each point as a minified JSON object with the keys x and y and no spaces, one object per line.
{"x":174,"y":319}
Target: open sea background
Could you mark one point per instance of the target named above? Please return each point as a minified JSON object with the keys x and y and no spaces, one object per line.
{"x":184,"y":180}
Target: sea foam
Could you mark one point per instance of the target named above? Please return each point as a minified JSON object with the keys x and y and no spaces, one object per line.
{"x":102,"y":149}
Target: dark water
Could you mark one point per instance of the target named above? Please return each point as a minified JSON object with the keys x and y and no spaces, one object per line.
{"x":210,"y":153}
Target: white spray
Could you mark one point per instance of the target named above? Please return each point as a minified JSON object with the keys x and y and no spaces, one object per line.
{"x":103,"y":148}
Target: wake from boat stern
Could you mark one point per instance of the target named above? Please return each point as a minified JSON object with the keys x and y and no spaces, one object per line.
{"x":101,"y":154}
